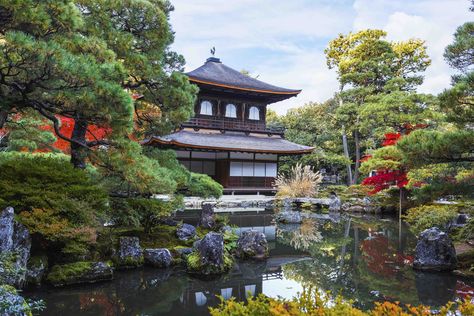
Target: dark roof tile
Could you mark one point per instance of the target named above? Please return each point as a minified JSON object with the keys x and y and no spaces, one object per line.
{"x":215,"y":72}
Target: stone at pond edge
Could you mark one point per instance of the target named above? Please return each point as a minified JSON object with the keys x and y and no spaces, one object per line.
{"x":334,"y":203}
{"x":15,"y":240}
{"x":434,"y":251}
{"x":207,"y":219}
{"x":130,"y":254}
{"x":209,"y":257}
{"x":289,"y":217}
{"x":186,"y":232}
{"x":252,"y":244}
{"x":37,"y":267}
{"x":159,"y":258}
{"x":80,"y":272}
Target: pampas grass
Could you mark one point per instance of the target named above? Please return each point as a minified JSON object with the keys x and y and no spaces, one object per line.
{"x":300,"y":182}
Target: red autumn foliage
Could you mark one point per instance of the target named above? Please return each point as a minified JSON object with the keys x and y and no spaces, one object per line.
{"x":391,"y":139}
{"x":385,"y":178}
{"x":67,"y":125}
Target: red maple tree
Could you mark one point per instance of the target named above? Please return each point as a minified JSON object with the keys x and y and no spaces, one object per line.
{"x":385,"y":178}
{"x":94,"y":132}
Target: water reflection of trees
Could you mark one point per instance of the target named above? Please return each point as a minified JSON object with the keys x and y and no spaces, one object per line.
{"x":363,"y":259}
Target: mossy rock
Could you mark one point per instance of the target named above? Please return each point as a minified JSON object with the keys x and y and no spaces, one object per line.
{"x":466,"y":264}
{"x":37,"y":267}
{"x":80,"y":272}
{"x":128,"y":262}
{"x":195,"y":266}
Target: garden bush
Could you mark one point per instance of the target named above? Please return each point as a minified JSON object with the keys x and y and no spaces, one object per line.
{"x":57,"y":203}
{"x":204,"y":186}
{"x":426,"y":216}
{"x":143,"y":212}
{"x":311,"y":302}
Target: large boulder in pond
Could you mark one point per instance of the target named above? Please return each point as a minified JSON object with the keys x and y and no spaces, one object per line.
{"x":434,"y":251}
{"x":130,"y":254}
{"x":186,"y":232}
{"x":207,"y":219}
{"x":159,"y":257}
{"x":80,"y":272}
{"x":209,"y":256}
{"x":252,"y":244}
{"x":15,"y":241}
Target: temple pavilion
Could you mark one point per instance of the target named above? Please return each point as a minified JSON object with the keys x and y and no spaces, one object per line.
{"x":228,"y":138}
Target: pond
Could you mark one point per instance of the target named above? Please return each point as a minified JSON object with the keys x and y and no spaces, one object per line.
{"x":364,"y":258}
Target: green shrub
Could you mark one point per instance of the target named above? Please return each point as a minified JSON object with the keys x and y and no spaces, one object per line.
{"x":204,"y":186}
{"x":56,"y":202}
{"x":426,"y":216}
{"x":144,"y":212}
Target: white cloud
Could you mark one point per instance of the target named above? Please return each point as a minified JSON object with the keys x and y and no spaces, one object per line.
{"x":283,"y":41}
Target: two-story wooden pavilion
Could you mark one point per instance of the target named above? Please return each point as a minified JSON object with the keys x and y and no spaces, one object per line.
{"x":228,"y":138}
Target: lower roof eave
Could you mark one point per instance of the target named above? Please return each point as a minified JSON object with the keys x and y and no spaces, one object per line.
{"x":153,"y":141}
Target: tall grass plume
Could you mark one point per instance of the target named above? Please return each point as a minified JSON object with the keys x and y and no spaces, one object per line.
{"x":302,"y":181}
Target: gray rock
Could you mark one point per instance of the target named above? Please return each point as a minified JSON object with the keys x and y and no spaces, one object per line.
{"x":15,"y":239}
{"x":289,"y":217}
{"x":186,"y":232}
{"x":211,"y":249}
{"x":334,"y":203}
{"x":252,"y":244}
{"x":209,"y":257}
{"x":460,"y":221}
{"x":207,"y":219}
{"x":434,"y":251}
{"x":6,"y":229}
{"x":130,"y":253}
{"x":37,"y":267}
{"x":159,"y":258}
{"x":22,"y":247}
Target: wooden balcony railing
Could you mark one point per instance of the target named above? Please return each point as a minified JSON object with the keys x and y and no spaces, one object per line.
{"x":232,"y":125}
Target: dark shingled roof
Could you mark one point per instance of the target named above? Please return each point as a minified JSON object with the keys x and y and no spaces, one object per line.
{"x":213,"y":72}
{"x":229,"y":141}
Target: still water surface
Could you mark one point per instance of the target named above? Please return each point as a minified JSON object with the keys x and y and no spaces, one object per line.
{"x":363,"y":258}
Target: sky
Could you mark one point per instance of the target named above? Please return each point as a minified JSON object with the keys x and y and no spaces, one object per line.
{"x":283,"y":41}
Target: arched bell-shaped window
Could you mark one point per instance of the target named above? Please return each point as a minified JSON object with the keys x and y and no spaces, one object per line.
{"x":254,"y":113}
{"x":230,"y":110}
{"x":206,"y":108}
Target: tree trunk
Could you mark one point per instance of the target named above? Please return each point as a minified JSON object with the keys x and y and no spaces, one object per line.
{"x":346,"y":154}
{"x":78,"y":152}
{"x":3,"y":117}
{"x":357,"y":152}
